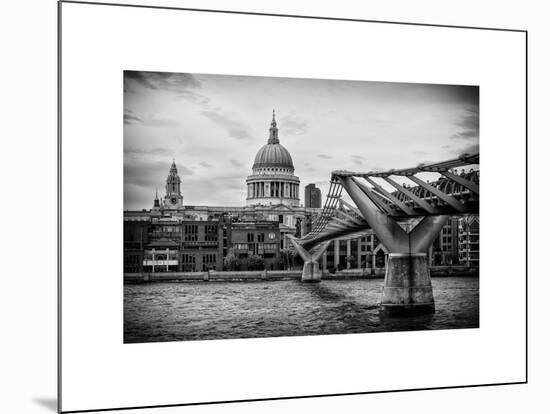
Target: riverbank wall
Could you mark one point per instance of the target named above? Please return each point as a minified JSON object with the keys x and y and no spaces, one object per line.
{"x":267,"y":275}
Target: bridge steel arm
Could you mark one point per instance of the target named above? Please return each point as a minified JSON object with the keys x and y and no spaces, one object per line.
{"x":346,"y":222}
{"x":348,"y":216}
{"x":318,"y":251}
{"x":390,"y":196}
{"x":311,"y":271}
{"x":304,"y":254}
{"x":352,"y":208}
{"x":453,"y":202}
{"x":375,"y":198}
{"x":385,"y":227}
{"x":425,"y":232}
{"x":470,"y":185}
{"x":329,"y":235}
{"x":421,"y":203}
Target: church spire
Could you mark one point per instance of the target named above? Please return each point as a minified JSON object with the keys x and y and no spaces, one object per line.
{"x":273,"y":131}
{"x":156,"y":203}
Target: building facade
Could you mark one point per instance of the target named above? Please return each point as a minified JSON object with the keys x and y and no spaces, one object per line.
{"x":259,"y":240}
{"x":468,"y":241}
{"x":444,"y":251}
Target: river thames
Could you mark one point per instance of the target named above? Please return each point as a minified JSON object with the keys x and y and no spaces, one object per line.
{"x":159,"y":312}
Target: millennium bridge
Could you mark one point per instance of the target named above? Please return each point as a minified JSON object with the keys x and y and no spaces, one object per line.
{"x":405,"y":217}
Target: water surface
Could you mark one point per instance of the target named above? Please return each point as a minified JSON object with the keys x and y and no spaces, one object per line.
{"x":157,"y":312}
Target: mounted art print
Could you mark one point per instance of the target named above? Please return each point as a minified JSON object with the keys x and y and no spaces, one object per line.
{"x":242,"y":220}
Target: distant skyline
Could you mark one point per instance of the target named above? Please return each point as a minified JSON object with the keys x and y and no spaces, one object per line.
{"x":213,"y":125}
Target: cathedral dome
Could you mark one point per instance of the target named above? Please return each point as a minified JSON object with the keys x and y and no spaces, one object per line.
{"x":273,"y":155}
{"x":273,"y":181}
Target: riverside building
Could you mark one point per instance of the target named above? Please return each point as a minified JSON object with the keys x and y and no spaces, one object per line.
{"x":173,"y":236}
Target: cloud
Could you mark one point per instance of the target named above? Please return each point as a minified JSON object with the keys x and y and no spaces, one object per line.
{"x":293,"y":125}
{"x":357,"y":159}
{"x":149,"y":174}
{"x":424,"y":153}
{"x":205,"y":164}
{"x":147,"y":152}
{"x":193,"y":96}
{"x":471,"y":149}
{"x":236,"y":163}
{"x":324,"y":156}
{"x":469,"y":123}
{"x":168,"y":81}
{"x":466,"y":134}
{"x":131,"y":118}
{"x":162,"y":122}
{"x":184,"y":85}
{"x":235,"y":128}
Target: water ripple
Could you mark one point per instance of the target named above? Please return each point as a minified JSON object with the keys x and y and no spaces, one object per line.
{"x":159,"y":312}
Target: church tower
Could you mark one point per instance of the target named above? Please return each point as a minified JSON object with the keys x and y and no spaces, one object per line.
{"x":173,"y":198}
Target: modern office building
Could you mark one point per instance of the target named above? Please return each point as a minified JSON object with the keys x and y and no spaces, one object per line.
{"x":312,"y":196}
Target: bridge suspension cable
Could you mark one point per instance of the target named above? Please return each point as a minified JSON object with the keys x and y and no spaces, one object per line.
{"x":331,"y":203}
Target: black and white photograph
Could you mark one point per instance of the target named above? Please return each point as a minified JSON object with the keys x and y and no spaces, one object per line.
{"x":270,"y":207}
{"x":266,"y":206}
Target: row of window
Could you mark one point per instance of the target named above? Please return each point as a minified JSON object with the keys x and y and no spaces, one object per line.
{"x":260,"y":246}
{"x":272,"y":170}
{"x":250,"y":237}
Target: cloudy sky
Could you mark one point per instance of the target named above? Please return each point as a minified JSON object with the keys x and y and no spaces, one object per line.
{"x":213,"y":125}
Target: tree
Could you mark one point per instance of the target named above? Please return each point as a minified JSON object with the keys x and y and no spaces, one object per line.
{"x":255,"y":262}
{"x":231,"y":262}
{"x":351,"y":261}
{"x":287,"y":258}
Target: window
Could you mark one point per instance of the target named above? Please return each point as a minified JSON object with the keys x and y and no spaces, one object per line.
{"x":250,"y":238}
{"x":188,"y":262}
{"x":211,"y":232}
{"x":261,"y":238}
{"x":208,"y":262}
{"x":191,"y":232}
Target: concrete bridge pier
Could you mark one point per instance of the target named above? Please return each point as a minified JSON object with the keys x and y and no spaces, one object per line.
{"x":407,"y":285}
{"x":311,"y":271}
